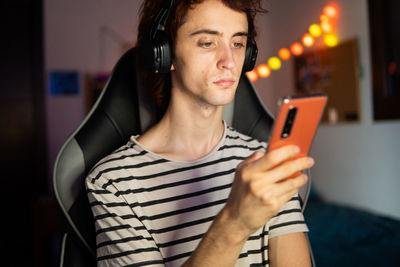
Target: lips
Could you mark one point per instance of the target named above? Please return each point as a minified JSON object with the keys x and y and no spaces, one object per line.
{"x":224,"y":83}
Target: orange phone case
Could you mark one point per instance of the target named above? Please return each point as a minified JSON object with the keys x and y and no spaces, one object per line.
{"x":309,"y":110}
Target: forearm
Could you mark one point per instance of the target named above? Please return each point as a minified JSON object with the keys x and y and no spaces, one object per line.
{"x":221,"y":245}
{"x":289,"y":250}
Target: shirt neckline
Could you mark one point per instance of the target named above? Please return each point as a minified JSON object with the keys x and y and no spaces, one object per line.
{"x":156,"y":156}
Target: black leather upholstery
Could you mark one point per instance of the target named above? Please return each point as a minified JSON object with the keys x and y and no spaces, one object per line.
{"x":116,"y":116}
{"x":119,"y":113}
{"x":112,"y":120}
{"x":250,"y":117}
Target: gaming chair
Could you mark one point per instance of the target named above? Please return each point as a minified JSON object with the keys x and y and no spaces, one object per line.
{"x":122,"y":110}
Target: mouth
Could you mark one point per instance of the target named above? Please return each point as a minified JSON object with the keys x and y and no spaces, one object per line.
{"x":224,"y":83}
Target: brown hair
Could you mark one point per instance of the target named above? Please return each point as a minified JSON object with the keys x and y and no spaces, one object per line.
{"x":159,"y":85}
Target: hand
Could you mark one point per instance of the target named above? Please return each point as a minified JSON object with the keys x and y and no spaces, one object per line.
{"x":260,"y":188}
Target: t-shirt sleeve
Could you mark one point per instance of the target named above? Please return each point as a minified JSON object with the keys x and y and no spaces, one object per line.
{"x":121,"y":237}
{"x":289,"y":219}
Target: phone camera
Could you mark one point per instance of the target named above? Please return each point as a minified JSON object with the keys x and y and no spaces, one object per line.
{"x":287,"y":128}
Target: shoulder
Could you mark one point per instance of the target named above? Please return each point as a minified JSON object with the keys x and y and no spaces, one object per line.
{"x":117,"y":164}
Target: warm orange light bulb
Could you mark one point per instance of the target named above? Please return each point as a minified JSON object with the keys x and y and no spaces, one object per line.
{"x":263,"y":70}
{"x":326,"y":26}
{"x":252,"y":75}
{"x":284,"y":53}
{"x":308,"y":40}
{"x":330,"y":11}
{"x":323,"y":18}
{"x":297,"y":49}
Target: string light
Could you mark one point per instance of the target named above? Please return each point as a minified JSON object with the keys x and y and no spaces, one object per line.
{"x":315,"y":30}
{"x":323,"y":18}
{"x":274,"y":63}
{"x":297,"y":49}
{"x":330,"y":11}
{"x":263,"y":70}
{"x":284,"y":54}
{"x":326,"y":26}
{"x":252,"y":75}
{"x":331,"y":40}
{"x":308,"y":40}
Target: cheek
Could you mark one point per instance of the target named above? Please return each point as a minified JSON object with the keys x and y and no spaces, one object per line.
{"x":200,"y":60}
{"x":196,"y":66}
{"x":195,"y":76}
{"x":239,"y":57}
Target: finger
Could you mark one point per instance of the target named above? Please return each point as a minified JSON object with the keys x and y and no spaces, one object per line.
{"x":253,"y":157}
{"x":289,"y":168}
{"x":284,"y":190}
{"x":288,"y":196}
{"x":274,"y":158}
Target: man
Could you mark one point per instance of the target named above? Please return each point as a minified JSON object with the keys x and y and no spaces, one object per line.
{"x":192,"y":191}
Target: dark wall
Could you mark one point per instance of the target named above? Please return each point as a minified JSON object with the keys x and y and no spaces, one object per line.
{"x":22,"y":126}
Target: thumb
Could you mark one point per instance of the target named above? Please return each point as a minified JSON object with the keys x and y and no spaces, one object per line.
{"x":253,"y":157}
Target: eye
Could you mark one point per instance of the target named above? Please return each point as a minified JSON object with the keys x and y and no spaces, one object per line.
{"x":206,"y":44}
{"x":238,"y":45}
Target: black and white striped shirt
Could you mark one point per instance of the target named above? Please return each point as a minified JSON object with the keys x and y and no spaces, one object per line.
{"x":152,"y":211}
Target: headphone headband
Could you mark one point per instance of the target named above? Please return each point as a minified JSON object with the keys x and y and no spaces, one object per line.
{"x":161,"y":19}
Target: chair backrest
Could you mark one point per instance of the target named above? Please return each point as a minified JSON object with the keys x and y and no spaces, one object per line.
{"x":120,"y":111}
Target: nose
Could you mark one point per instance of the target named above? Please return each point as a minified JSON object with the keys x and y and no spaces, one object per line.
{"x":226,"y":58}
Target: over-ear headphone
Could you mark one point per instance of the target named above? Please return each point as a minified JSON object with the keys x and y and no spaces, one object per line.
{"x":155,"y":52}
{"x":251,"y":56}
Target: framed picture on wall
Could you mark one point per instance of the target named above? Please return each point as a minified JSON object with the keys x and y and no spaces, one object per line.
{"x":335,"y":72}
{"x":384,"y":22}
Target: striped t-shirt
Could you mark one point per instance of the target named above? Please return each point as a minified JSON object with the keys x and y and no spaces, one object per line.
{"x":153,"y":211}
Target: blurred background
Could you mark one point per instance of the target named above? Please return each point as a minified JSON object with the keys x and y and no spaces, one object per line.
{"x":57,"y":54}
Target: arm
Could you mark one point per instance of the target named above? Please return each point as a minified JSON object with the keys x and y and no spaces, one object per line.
{"x":289,"y":250}
{"x":259,"y":191}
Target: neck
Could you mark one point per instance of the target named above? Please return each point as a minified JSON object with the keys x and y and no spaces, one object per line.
{"x":188,"y":130}
{"x":192,"y":131}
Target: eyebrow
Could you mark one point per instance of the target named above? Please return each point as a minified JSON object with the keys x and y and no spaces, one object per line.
{"x":207,"y":31}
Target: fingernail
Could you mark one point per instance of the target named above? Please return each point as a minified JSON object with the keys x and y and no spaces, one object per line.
{"x":296,"y":149}
{"x":310,"y":161}
{"x":305,"y":177}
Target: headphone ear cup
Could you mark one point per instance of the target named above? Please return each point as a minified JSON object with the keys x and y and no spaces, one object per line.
{"x":250,"y":57}
{"x":163,"y":60}
{"x":155,"y":55}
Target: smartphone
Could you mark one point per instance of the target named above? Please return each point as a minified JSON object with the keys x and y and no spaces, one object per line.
{"x":297,"y":122}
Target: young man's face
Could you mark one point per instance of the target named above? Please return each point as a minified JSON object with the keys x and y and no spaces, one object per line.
{"x":209,"y":53}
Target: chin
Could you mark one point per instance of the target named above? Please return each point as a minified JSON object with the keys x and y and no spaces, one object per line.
{"x":224,"y":101}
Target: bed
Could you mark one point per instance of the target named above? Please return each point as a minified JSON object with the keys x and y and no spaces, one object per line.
{"x":343,"y":236}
